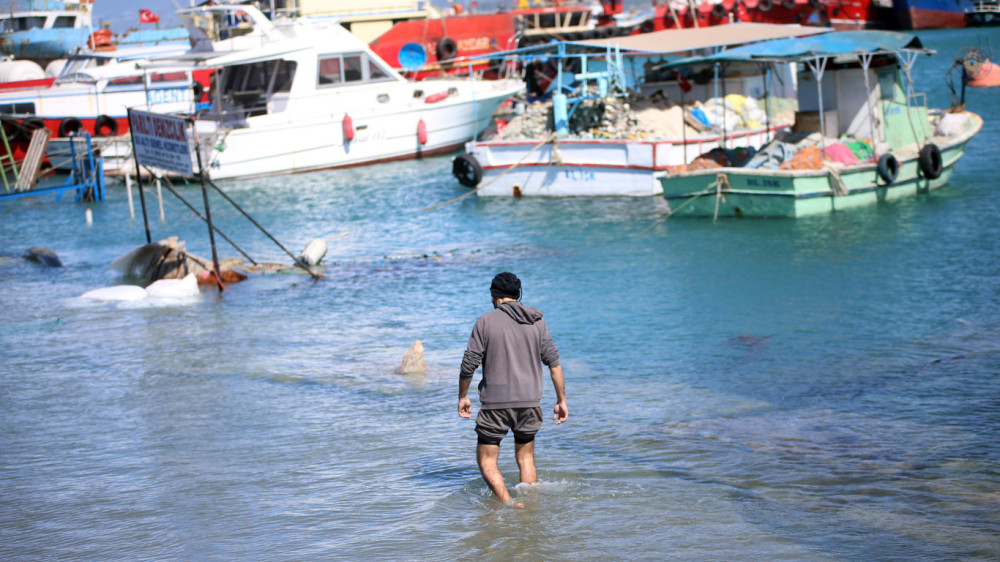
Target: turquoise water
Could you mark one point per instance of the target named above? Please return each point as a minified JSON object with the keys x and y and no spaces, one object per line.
{"x":822,"y":388}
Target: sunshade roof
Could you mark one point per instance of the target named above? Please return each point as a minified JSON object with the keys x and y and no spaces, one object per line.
{"x":680,"y":40}
{"x":825,"y":45}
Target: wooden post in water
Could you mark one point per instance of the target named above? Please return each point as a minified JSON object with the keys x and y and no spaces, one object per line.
{"x":128,"y":190}
{"x":208,"y":212}
{"x":159,"y":197}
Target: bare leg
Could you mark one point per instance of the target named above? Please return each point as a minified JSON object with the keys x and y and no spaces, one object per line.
{"x":525,"y":455}
{"x":486,"y":456}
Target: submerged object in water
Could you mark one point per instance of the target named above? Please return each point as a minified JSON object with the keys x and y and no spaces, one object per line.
{"x":43,"y":256}
{"x":413,"y":360}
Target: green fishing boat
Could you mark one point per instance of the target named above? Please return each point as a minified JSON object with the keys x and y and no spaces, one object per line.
{"x":867,"y":102}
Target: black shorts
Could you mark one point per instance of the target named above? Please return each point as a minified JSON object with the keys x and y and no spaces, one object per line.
{"x":492,"y":425}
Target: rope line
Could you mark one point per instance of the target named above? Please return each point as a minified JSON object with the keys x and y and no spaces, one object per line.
{"x":545,"y":141}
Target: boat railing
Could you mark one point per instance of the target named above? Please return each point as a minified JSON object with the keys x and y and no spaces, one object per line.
{"x":986,"y":6}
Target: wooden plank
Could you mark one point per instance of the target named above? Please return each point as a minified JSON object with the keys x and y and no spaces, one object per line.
{"x":33,"y":160}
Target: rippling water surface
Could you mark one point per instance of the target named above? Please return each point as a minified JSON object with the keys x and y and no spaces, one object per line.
{"x":823,"y":388}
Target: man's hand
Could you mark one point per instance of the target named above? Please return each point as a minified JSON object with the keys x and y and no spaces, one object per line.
{"x":465,"y":407}
{"x":560,"y":412}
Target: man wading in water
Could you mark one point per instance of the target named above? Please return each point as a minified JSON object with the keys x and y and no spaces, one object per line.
{"x":511,"y":343}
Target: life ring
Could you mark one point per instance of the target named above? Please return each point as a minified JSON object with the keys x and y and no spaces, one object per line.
{"x":931,"y":163}
{"x":719,"y":11}
{"x":105,"y":126}
{"x":69,"y":125}
{"x":28,"y":126}
{"x":467,"y":170}
{"x":888,"y":168}
{"x":788,"y":4}
{"x":446,"y":49}
{"x":764,"y":5}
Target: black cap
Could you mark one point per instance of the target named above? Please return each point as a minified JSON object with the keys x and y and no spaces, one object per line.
{"x":505,"y":285}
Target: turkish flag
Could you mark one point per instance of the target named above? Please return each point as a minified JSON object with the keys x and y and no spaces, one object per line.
{"x":682,"y":82}
{"x":146,"y":16}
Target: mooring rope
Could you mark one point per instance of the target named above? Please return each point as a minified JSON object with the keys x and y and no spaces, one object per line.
{"x":545,"y":141}
{"x":713,"y":187}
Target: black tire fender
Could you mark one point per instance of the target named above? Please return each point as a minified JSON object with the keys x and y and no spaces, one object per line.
{"x":931,"y":164}
{"x":468,"y":171}
{"x":788,"y":4}
{"x":719,"y":11}
{"x":447,"y":49}
{"x":69,"y":125}
{"x":105,"y":126}
{"x":11,"y":128}
{"x":764,"y":5}
{"x":28,"y":126}
{"x":888,"y":168}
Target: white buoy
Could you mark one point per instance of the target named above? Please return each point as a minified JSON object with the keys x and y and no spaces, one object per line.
{"x":314,"y":252}
{"x":90,"y":217}
{"x":174,"y":288}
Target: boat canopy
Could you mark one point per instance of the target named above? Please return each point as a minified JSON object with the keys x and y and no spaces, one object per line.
{"x":837,"y":43}
{"x":681,"y":40}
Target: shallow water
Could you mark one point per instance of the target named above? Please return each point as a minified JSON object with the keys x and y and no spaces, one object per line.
{"x":822,"y":388}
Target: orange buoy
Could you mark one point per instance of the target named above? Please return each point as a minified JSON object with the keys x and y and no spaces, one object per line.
{"x":422,"y":132}
{"x":986,"y":76}
{"x":434,"y":98}
{"x":348,"y":128}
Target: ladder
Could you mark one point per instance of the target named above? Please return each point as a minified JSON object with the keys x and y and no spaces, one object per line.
{"x":7,"y":160}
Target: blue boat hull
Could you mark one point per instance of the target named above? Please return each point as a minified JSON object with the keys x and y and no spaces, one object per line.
{"x":43,"y":44}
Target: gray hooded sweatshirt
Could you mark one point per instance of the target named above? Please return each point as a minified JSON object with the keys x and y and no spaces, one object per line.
{"x":511,"y":342}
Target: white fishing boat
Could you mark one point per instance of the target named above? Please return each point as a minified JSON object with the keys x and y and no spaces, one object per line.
{"x":308,"y":96}
{"x":93,"y":90}
{"x":610,"y":156}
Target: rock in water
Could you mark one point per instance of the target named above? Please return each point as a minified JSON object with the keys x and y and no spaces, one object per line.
{"x":413,"y":359}
{"x":43,"y":256}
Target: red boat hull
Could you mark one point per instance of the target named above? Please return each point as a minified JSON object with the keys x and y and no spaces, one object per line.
{"x":446,"y":39}
{"x":731,"y":11}
{"x":857,"y":14}
{"x":935,"y":19}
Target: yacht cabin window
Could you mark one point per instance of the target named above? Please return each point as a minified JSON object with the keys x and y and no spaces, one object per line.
{"x":352,"y":68}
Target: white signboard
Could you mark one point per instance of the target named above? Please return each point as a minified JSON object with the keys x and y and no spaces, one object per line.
{"x":160,"y":141}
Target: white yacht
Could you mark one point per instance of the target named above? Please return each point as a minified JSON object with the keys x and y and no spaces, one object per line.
{"x":295,"y":96}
